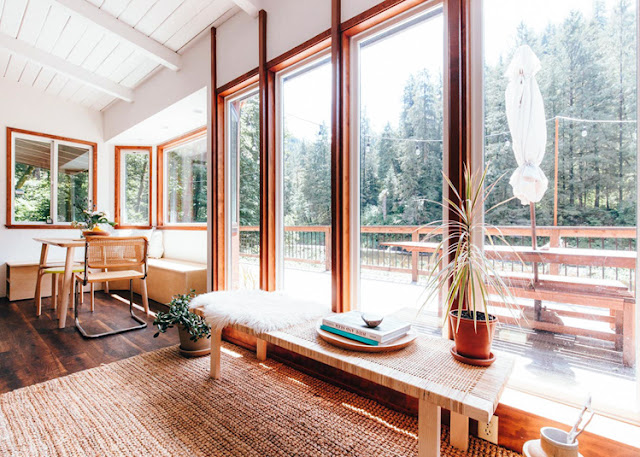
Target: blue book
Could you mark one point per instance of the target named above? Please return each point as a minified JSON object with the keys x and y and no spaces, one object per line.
{"x":351,"y":336}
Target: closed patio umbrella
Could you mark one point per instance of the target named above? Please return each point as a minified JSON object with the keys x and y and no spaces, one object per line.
{"x":527,"y":124}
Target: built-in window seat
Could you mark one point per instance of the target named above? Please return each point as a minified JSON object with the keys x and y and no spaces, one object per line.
{"x":168,"y":277}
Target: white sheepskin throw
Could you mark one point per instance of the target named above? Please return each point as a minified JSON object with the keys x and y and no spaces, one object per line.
{"x":256,"y":309}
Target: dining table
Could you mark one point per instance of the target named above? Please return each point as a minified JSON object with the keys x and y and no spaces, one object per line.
{"x":70,"y":244}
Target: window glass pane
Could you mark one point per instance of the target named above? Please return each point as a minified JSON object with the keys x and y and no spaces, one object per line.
{"x":401,"y":131}
{"x":186,"y":193}
{"x":576,"y":330}
{"x":306,"y":191}
{"x":135,"y":191}
{"x":73,"y":181}
{"x":244,"y":191}
{"x":32,"y":180}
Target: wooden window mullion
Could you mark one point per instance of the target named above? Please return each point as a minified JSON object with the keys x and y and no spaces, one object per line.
{"x":267,"y":162}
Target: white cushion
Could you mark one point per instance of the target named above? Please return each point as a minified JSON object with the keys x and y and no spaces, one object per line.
{"x":156,"y":245}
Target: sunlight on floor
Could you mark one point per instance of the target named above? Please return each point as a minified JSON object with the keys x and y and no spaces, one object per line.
{"x":233,"y":354}
{"x":379,"y":420}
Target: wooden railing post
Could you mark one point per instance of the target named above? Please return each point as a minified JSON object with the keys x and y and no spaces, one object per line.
{"x":415,"y":256}
{"x":554,"y":242}
{"x":327,"y":248}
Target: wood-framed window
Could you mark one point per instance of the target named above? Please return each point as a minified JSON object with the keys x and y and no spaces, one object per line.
{"x":242,"y":187}
{"x":303,"y":170}
{"x":133,"y":196}
{"x":50,"y":179}
{"x":182,"y":182}
{"x":397,"y":146}
{"x":230,"y":100}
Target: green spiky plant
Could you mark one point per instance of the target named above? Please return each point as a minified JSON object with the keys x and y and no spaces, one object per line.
{"x":459,"y":266}
{"x":180,"y":314}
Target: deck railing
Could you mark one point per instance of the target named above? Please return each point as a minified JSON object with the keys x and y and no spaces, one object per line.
{"x":312,"y":245}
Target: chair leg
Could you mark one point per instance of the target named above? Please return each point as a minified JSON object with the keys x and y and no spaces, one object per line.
{"x":38,"y":294}
{"x":54,"y":291}
{"x":145,"y":297}
{"x":141,"y":322}
{"x":60,"y":287}
{"x":93,"y":292}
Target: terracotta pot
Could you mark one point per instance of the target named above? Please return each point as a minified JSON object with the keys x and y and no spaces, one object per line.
{"x":193,"y":348}
{"x":473,"y":342}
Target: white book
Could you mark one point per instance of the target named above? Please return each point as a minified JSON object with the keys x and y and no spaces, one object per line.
{"x":351,"y":322}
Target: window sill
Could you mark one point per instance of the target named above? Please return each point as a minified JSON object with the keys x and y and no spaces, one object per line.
{"x":133,"y":227}
{"x":39,"y":226}
{"x":182,"y":227}
{"x":524,"y":414}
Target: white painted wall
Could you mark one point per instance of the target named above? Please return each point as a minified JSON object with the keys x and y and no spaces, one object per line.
{"x":290,"y":23}
{"x":27,"y":108}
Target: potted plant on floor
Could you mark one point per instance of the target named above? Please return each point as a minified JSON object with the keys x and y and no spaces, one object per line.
{"x":194,"y":332}
{"x":465,"y":276}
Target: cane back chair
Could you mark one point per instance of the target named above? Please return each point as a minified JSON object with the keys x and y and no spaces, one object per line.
{"x":125,"y":258}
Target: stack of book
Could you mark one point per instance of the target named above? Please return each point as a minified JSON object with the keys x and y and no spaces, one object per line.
{"x":350,"y":325}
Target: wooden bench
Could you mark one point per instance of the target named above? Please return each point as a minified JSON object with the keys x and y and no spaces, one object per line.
{"x":168,"y":277}
{"x":593,"y":292}
{"x":21,"y":280}
{"x":424,"y":370}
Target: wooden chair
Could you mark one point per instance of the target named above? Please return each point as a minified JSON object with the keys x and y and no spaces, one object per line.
{"x":125,"y":258}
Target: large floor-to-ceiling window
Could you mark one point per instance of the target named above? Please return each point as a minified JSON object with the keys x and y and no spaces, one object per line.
{"x":398,"y":92}
{"x":573,"y":328}
{"x":243,"y":189}
{"x":304,"y":160}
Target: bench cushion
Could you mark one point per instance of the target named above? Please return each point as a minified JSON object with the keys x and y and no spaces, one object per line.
{"x":255,"y":310}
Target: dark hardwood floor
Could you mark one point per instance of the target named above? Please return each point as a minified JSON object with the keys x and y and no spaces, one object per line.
{"x":33,"y":349}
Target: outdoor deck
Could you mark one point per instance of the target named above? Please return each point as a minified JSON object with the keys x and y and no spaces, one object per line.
{"x":575,"y":349}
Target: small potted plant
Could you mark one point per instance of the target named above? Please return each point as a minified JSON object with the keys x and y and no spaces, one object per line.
{"x":90,"y":220}
{"x":465,"y":275}
{"x":194,"y":332}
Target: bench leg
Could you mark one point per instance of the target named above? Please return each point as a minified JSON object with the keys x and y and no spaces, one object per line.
{"x":216,"y":344}
{"x":459,"y":431}
{"x":145,"y":296}
{"x":428,"y":429}
{"x":261,"y":350}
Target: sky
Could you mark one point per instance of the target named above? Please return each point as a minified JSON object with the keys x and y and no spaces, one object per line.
{"x":386,"y":65}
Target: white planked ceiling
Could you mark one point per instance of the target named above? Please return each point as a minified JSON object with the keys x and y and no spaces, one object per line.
{"x":50,"y":27}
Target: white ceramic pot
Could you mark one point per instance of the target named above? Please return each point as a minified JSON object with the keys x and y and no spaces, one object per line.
{"x":552,"y":443}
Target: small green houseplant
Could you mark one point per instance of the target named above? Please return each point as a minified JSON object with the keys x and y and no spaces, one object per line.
{"x":194,"y":332}
{"x":464,"y":274}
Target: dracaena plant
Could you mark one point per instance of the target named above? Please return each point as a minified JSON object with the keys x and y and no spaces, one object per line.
{"x":458,"y":264}
{"x":180,"y":314}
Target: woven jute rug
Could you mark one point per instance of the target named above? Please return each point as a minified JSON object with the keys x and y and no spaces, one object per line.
{"x":161,"y":404}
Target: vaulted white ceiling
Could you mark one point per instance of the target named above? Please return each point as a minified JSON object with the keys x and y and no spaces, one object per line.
{"x":92,"y":52}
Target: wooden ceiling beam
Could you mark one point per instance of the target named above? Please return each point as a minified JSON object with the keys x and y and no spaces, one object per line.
{"x":248,"y":6}
{"x":147,"y":46}
{"x":66,"y":68}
